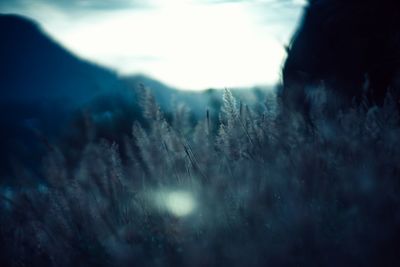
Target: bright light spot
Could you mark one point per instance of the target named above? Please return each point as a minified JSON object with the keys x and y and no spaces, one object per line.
{"x":179,"y":203}
{"x":190,"y":47}
{"x":300,"y":2}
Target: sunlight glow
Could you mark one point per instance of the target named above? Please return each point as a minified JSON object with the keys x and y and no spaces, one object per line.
{"x":189,"y":44}
{"x":178,"y":202}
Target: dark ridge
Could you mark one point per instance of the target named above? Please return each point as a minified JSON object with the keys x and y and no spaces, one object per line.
{"x":41,"y":85}
{"x":349,"y":46}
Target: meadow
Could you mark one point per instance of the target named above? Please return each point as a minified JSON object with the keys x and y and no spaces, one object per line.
{"x":252,"y":185}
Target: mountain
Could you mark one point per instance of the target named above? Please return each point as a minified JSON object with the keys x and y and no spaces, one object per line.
{"x":36,"y":70}
{"x":26,"y":49}
{"x":41,"y":84}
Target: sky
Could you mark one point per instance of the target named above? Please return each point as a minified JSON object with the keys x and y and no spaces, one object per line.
{"x":188,"y":44}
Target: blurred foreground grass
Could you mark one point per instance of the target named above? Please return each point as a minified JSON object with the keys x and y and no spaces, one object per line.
{"x":256,"y":188}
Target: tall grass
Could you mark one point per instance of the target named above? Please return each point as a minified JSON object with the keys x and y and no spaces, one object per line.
{"x":268,"y":189}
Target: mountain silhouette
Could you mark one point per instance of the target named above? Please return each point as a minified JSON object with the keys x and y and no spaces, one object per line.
{"x":35,"y":69}
{"x":41,"y":84}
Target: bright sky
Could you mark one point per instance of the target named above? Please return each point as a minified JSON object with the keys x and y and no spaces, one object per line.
{"x":189,"y":44}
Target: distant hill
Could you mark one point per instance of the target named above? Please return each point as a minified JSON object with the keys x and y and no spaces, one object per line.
{"x":168,"y":96}
{"x":36,"y":70}
{"x":41,"y":83}
{"x":196,"y":101}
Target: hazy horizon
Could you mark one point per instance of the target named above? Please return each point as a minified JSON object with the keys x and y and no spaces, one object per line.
{"x":192,"y":45}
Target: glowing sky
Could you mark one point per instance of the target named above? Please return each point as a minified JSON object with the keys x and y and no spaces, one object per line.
{"x":189,"y":44}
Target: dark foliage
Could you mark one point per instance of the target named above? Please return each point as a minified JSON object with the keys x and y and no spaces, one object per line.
{"x":266,"y":190}
{"x":344,"y":44}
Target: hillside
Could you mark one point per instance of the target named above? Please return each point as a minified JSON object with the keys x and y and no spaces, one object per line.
{"x":41,"y":84}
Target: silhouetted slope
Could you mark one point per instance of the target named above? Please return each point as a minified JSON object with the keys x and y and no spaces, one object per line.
{"x":352,"y":46}
{"x":35,"y":68}
{"x":41,"y":83}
